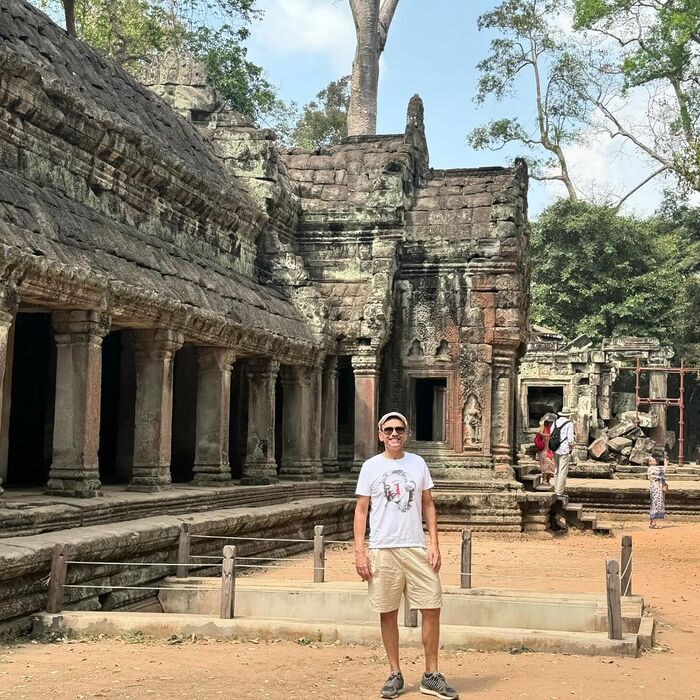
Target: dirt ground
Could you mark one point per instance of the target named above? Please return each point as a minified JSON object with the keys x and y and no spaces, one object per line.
{"x":666,"y":572}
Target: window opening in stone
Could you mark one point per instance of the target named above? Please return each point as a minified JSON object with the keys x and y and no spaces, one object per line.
{"x":184,"y":429}
{"x":430,"y":406}
{"x":541,"y":400}
{"x":346,"y":411}
{"x":31,"y":401}
{"x":279,"y":421}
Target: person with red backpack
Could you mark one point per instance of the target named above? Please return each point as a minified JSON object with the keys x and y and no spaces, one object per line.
{"x":545,"y":456}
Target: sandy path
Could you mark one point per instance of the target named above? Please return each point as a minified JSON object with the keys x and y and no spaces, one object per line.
{"x":666,"y":571}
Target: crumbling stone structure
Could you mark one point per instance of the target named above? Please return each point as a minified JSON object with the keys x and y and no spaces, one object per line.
{"x":557,"y":373}
{"x":182,"y":300}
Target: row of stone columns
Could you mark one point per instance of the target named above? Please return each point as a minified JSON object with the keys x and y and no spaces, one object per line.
{"x":310,"y":410}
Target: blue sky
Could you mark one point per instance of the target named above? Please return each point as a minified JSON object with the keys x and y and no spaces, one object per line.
{"x":433,"y":49}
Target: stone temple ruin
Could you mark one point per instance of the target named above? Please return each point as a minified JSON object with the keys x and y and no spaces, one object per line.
{"x":184,"y":301}
{"x":611,"y":436}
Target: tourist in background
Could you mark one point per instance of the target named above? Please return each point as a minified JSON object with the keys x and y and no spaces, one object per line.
{"x":656,"y":473}
{"x":545,"y":456}
{"x":564,"y":430}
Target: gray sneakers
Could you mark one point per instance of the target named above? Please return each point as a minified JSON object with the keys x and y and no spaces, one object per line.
{"x":435,"y":684}
{"x":393,"y":686}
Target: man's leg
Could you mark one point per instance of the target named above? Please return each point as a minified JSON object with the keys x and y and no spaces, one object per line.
{"x":562,"y":471}
{"x":390,"y":636}
{"x":430,"y":635}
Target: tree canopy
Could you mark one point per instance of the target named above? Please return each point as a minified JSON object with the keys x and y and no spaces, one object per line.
{"x":603,"y":274}
{"x":135,"y":32}
{"x":323,"y":122}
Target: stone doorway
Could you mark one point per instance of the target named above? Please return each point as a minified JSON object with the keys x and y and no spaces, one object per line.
{"x":346,"y":413}
{"x":30,"y":429}
{"x":430,"y":402}
{"x":541,"y":400}
{"x":184,"y":433}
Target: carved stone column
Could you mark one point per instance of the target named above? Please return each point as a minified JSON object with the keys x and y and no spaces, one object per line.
{"x":8,"y":307}
{"x":76,"y":433}
{"x":211,"y":462}
{"x":329,"y":417}
{"x":503,"y":411}
{"x":295,"y":421}
{"x":366,"y":371}
{"x":658,"y":389}
{"x":153,"y":351}
{"x":260,"y":466}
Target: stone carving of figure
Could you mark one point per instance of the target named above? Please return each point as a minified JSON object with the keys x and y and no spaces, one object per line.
{"x":416,"y":349}
{"x":471,"y":417}
{"x":443,"y":351}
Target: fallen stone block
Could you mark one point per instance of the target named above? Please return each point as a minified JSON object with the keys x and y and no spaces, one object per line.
{"x":644,"y":443}
{"x":618,"y":444}
{"x":621,"y":429}
{"x":639,"y":456}
{"x":599,"y":433}
{"x":598,"y":449}
{"x":626,"y":451}
{"x":646,"y":420}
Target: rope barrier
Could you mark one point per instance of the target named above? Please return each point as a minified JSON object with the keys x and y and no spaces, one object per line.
{"x":251,"y":539}
{"x":135,"y":588}
{"x":126,"y":563}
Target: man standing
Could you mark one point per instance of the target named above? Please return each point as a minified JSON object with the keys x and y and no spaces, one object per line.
{"x":397,"y":485}
{"x":562,"y":454}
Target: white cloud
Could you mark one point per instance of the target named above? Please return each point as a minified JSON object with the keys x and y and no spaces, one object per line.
{"x":294,"y":27}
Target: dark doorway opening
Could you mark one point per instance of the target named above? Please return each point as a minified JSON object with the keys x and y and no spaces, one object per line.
{"x":346,"y":412}
{"x":541,"y":400}
{"x":184,"y":430}
{"x":32,"y":400}
{"x":430,"y":406}
{"x":238,"y":420}
{"x":109,"y":407}
{"x":279,"y":421}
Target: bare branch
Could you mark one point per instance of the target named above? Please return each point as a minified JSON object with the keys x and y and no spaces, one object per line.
{"x":386,"y":14}
{"x":640,"y":185}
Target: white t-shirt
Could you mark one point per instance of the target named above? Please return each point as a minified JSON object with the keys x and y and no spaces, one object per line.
{"x":567,"y":434}
{"x":395,"y":487}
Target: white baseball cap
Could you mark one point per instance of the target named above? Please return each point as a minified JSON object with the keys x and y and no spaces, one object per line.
{"x":392,"y":414}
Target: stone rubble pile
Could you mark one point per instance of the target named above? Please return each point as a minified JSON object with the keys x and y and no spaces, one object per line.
{"x":625,"y":442}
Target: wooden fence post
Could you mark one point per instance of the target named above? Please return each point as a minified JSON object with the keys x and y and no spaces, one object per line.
{"x":626,"y":565}
{"x":410,"y":617}
{"x":319,"y":555}
{"x":465,"y":576}
{"x":228,"y":583}
{"x":183,"y":551}
{"x":54,"y":601}
{"x":612,"y":587}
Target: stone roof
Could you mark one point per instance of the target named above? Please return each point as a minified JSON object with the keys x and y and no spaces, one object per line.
{"x":45,"y":225}
{"x":105,"y":90}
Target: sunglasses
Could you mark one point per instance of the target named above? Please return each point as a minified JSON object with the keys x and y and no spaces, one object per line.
{"x":400,"y":430}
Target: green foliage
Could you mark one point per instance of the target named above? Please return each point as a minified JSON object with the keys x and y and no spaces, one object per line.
{"x":602,"y":274}
{"x":659,"y":48}
{"x":134,"y":33}
{"x":323,"y":121}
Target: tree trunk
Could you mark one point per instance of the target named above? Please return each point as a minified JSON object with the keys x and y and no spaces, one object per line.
{"x":69,"y":12}
{"x":371,"y":27}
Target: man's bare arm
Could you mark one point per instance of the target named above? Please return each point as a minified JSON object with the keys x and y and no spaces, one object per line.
{"x":430,"y":517}
{"x":359,"y":526}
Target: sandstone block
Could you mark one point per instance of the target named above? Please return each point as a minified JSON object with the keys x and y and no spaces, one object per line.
{"x":598,"y":449}
{"x":639,"y":456}
{"x":626,"y":451}
{"x":619,"y":443}
{"x":646,"y":420}
{"x":621,"y":429}
{"x":644,"y":443}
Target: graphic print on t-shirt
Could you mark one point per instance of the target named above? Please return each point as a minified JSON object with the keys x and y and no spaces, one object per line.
{"x":399,"y":488}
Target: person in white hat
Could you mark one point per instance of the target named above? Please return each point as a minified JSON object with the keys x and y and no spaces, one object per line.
{"x":562,"y":454}
{"x":397,"y":485}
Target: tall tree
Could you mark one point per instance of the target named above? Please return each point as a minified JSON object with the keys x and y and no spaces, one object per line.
{"x":657,"y":47}
{"x":372,"y":21}
{"x":324,"y":120}
{"x":528,"y":46}
{"x":133,"y":33}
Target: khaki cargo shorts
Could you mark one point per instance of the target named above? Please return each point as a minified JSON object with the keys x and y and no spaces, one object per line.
{"x":402,"y":569}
